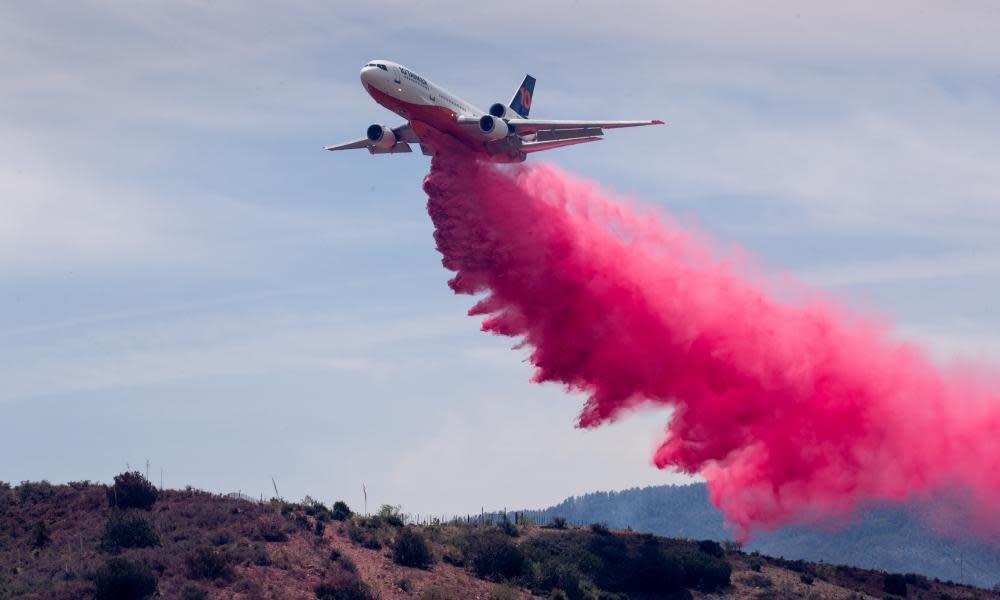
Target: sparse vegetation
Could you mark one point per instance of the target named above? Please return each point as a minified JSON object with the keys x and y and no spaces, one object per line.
{"x":344,"y":587}
{"x":508,"y":527}
{"x":434,"y":593}
{"x":758,"y":581}
{"x":368,"y":533}
{"x":191,"y":592}
{"x":209,"y":546}
{"x":271,"y":529}
{"x":209,"y":563}
{"x":410,"y":549}
{"x":391,"y":515}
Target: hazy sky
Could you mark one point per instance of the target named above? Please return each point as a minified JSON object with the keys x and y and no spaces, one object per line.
{"x":185,"y":277}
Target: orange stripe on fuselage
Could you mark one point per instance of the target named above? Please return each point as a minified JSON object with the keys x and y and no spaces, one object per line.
{"x":437,"y":117}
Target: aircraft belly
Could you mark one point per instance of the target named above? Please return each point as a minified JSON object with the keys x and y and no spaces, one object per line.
{"x":422,"y":115}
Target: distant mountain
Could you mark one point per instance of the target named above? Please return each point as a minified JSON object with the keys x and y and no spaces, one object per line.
{"x":889,"y":538}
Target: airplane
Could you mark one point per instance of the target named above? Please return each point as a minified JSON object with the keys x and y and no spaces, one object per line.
{"x":504,"y":134}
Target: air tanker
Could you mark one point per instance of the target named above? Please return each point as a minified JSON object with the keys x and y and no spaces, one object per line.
{"x":504,"y":134}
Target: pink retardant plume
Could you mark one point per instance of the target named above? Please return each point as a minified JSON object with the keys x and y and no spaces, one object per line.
{"x":791,"y":411}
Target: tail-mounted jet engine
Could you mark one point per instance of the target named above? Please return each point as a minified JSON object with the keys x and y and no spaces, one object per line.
{"x":502,"y":111}
{"x":493,"y":128}
{"x":381,"y":136}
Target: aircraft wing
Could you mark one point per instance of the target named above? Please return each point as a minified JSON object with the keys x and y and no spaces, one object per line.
{"x":362,"y":143}
{"x":404,"y":133}
{"x":533,"y":125}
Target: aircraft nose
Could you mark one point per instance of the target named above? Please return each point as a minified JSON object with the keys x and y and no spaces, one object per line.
{"x":368,"y":74}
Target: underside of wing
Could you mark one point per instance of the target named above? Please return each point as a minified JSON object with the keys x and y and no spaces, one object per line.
{"x":530,"y":147}
{"x":538,"y":125}
{"x":545,"y":135}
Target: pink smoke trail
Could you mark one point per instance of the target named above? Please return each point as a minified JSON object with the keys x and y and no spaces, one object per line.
{"x":790,"y":411}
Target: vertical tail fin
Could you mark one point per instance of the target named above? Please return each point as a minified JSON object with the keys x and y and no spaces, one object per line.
{"x":521,"y":102}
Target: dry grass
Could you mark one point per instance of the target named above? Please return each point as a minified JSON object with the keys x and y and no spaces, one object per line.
{"x":272,"y":551}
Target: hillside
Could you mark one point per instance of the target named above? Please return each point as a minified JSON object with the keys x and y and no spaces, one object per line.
{"x":129,"y":541}
{"x":890,"y":538}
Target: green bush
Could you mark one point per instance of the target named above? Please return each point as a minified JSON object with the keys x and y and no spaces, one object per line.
{"x":128,"y":530}
{"x":132,"y":490}
{"x":391,"y":515}
{"x":895,"y":584}
{"x":122,"y":579}
{"x":921,"y":582}
{"x":711,"y":548}
{"x":35,"y":491}
{"x":557,"y":523}
{"x":509,"y":528}
{"x":341,"y":512}
{"x":209,"y":564}
{"x":807,"y":579}
{"x":707,"y":573}
{"x":495,"y":556}
{"x":367,"y":533}
{"x":654,"y":572}
{"x":599,"y":529}
{"x":562,"y":578}
{"x":411,"y":550}
{"x":315,"y":508}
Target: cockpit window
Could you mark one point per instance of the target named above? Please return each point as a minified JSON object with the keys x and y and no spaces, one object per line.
{"x":381,"y":66}
{"x":371,"y":65}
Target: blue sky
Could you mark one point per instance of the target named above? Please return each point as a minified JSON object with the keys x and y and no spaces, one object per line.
{"x":185,"y":277}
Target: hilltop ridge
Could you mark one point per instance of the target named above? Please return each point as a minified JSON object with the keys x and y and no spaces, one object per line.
{"x":130,"y":541}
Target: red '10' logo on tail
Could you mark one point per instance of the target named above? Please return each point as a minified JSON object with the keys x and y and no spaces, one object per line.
{"x":525,"y":97}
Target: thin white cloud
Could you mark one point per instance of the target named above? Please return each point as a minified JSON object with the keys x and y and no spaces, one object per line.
{"x":51,"y":218}
{"x":192,"y":347}
{"x":937,"y":268}
{"x":474,"y":457}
